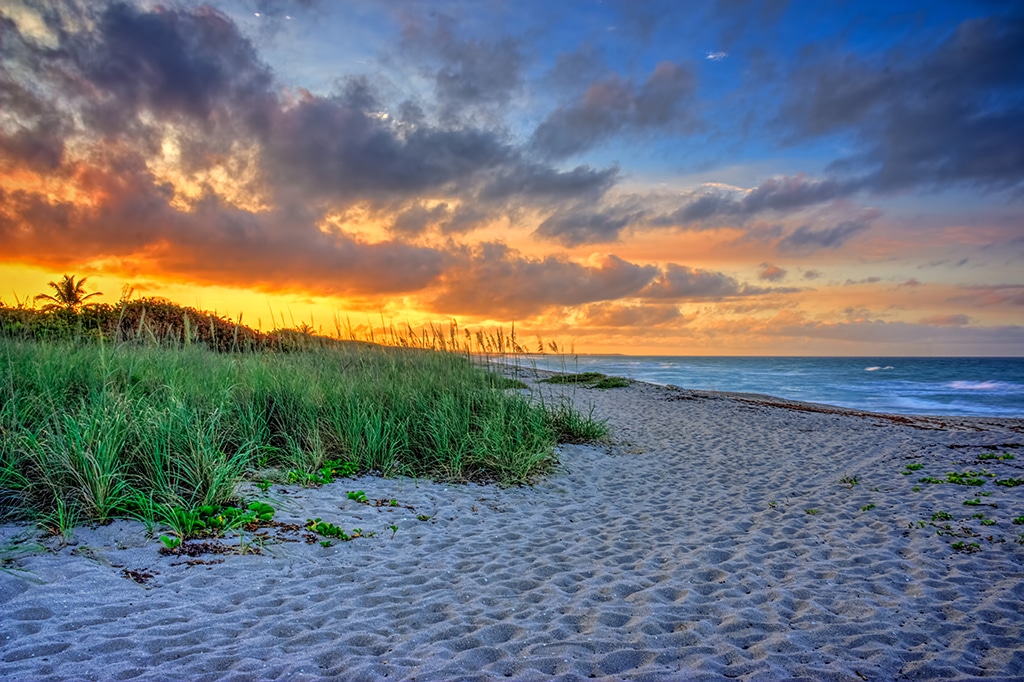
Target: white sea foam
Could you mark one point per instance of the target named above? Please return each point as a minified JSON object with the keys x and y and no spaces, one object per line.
{"x":979,"y":385}
{"x":877,"y":369}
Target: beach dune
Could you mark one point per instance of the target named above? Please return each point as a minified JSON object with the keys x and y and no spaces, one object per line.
{"x":716,"y":536}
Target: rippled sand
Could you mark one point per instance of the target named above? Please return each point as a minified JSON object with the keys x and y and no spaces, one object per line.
{"x":683,"y":550}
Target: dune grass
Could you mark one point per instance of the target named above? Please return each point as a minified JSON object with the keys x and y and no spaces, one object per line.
{"x":94,"y":430}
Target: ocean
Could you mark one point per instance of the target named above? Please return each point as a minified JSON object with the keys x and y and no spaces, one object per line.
{"x":975,"y":387}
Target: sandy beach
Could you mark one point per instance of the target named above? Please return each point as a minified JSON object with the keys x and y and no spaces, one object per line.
{"x":716,"y":536}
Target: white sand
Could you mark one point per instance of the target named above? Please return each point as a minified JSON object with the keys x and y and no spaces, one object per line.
{"x":683,"y":551}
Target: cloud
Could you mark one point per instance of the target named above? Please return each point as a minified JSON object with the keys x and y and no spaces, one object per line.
{"x":694,"y":284}
{"x":498,"y":282}
{"x":813,"y":274}
{"x":584,"y":224}
{"x":213,"y":244}
{"x":473,"y":74}
{"x":664,"y":102}
{"x":941,"y":118}
{"x":805,"y":238}
{"x":780,"y":194}
{"x":946,"y":320}
{"x":640,"y":316}
{"x":990,"y":295}
{"x":172,"y":145}
{"x":715,"y":56}
{"x":771,"y":273}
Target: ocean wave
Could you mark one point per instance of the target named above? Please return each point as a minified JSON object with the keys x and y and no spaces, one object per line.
{"x":981,"y":385}
{"x":878,"y":369}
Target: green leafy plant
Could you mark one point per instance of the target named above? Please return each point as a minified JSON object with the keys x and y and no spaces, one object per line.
{"x":358,"y":496}
{"x":1019,"y":521}
{"x":812,"y":511}
{"x":867,"y":507}
{"x":916,"y":466}
{"x":965,"y":477}
{"x":393,"y":529}
{"x":849,"y":480}
{"x":988,"y":522}
{"x":931,"y":479}
{"x":972,"y":503}
{"x":1010,"y":482}
{"x":423,"y":517}
{"x":942,"y":516}
{"x":329,"y":530}
{"x":993,"y":455}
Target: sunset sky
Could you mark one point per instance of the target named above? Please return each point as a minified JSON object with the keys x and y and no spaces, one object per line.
{"x":734,"y":177}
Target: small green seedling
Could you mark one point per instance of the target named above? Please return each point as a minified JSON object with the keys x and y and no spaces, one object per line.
{"x":358,"y":496}
{"x":812,"y":512}
{"x":916,"y":488}
{"x":423,"y":517}
{"x":942,"y":516}
{"x":1019,"y":521}
{"x":867,"y":507}
{"x":988,"y":522}
{"x":966,"y":547}
{"x":972,"y":503}
{"x":1010,"y":482}
{"x":171,"y":543}
{"x":264,"y":485}
{"x":326,"y":543}
{"x":393,"y":529}
{"x":930,"y":479}
{"x":849,"y":480}
{"x":917,"y":466}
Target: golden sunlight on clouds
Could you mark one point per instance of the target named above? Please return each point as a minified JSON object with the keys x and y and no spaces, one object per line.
{"x":232,"y":176}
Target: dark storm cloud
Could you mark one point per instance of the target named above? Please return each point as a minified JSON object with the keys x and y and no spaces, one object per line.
{"x":664,"y":102}
{"x":499,"y":282}
{"x":172,"y":63}
{"x":114,"y":93}
{"x":328,"y":148}
{"x":944,"y":117}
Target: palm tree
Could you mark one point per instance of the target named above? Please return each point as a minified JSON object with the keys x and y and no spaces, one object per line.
{"x":68,"y":295}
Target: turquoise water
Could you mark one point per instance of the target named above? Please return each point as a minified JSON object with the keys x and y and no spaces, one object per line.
{"x":978,"y":387}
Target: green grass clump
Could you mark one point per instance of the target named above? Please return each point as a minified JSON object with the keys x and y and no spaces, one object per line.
{"x":93,"y":430}
{"x":589,"y":379}
{"x":581,"y":378}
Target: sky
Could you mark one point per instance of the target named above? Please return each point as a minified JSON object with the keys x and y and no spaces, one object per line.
{"x":720,"y":177}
